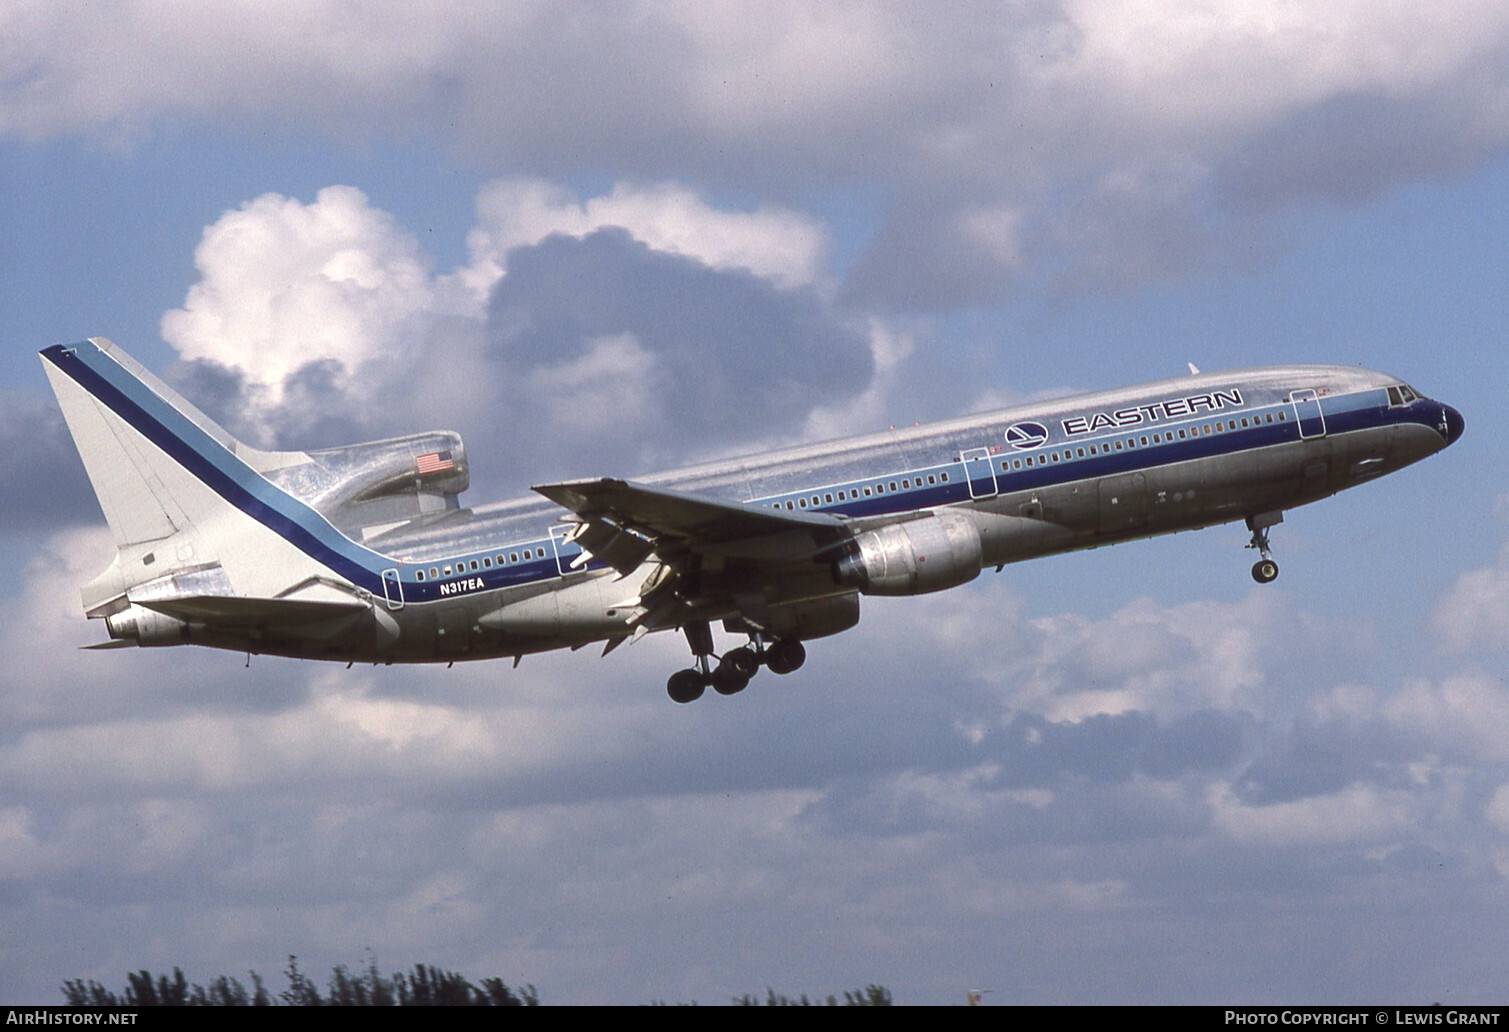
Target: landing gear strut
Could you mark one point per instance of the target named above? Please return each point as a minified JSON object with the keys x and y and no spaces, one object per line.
{"x":1265,"y":569}
{"x":733,"y":671}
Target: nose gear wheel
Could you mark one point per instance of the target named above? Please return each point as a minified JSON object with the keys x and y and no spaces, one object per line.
{"x":1265,"y":570}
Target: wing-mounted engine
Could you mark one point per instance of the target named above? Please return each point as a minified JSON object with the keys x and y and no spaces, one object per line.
{"x":365,"y":489}
{"x":939,"y":551}
{"x":804,"y":621}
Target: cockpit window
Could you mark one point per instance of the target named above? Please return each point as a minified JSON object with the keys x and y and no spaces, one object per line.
{"x":1400,"y":394}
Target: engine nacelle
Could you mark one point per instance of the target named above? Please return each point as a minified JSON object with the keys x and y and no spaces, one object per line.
{"x":147,"y":627}
{"x":814,"y":618}
{"x":929,"y":554}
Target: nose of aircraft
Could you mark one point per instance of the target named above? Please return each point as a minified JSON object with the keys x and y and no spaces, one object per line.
{"x":1451,"y":424}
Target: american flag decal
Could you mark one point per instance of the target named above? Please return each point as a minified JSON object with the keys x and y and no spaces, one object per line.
{"x":434,"y":462}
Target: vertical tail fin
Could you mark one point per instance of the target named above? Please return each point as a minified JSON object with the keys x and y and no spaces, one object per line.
{"x":138,"y":505}
{"x":181,"y":495}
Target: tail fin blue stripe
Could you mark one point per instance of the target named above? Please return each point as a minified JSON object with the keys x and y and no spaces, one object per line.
{"x":219,"y":469}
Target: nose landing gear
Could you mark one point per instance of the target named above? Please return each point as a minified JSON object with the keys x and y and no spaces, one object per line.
{"x":733,"y":671}
{"x":1265,"y":570}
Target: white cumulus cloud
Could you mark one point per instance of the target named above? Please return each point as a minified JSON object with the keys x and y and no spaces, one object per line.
{"x":1000,"y":139}
{"x":283,"y":284}
{"x":780,"y":245}
{"x":642,"y":310}
{"x":1474,"y":614}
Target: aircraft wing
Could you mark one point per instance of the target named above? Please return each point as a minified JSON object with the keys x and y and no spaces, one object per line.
{"x":621,"y":522}
{"x":679,"y":514}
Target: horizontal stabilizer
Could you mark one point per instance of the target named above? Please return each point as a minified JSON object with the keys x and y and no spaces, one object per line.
{"x":238,"y":610}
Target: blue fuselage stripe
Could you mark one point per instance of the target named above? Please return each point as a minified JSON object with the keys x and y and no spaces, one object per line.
{"x":243,"y":487}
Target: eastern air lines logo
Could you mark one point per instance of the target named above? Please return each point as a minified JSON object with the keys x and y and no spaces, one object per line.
{"x":1026,"y":435}
{"x":1157,"y":412}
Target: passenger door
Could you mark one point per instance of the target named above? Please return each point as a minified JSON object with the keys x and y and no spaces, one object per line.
{"x":1307,"y":411}
{"x":979,"y":473}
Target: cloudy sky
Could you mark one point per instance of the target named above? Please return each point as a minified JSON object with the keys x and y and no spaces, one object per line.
{"x":608,"y":238}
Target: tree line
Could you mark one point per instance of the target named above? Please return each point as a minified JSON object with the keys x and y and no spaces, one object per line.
{"x":424,"y":986}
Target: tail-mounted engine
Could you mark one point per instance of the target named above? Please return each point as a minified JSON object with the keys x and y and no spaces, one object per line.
{"x":381,"y":483}
{"x":939,"y":551}
{"x":142,"y":626}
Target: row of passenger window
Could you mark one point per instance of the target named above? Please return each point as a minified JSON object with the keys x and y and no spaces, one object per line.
{"x":1220,"y":426}
{"x":848,"y":494}
{"x":1063,"y":455}
{"x":880,"y":487}
{"x":487,"y":562}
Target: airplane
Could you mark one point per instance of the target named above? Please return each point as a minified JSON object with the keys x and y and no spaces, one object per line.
{"x":364,"y":553}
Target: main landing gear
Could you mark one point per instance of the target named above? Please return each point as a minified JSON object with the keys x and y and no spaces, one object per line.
{"x":734,"y":669}
{"x":1265,"y":570}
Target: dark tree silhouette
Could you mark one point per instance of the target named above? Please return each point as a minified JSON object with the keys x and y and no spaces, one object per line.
{"x":869,"y":996}
{"x":424,"y":986}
